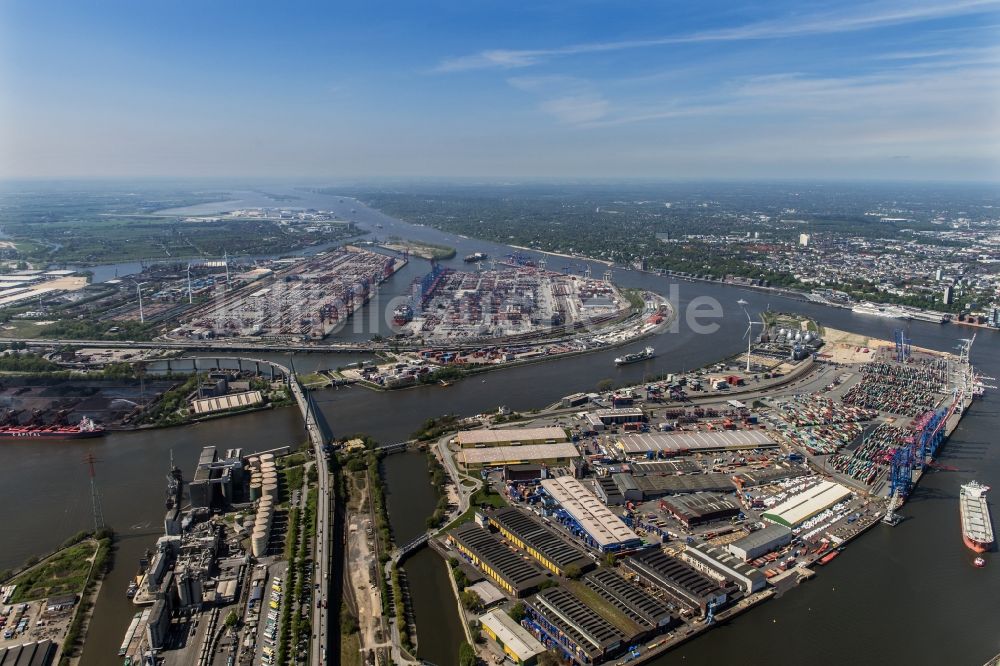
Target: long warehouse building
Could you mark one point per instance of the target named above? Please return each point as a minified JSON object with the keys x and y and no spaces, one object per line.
{"x":683,"y":443}
{"x":560,"y":453}
{"x":540,"y":541}
{"x":510,"y":437}
{"x":799,"y":508}
{"x":515,"y":574}
{"x":589,"y":517}
{"x":682,"y":582}
{"x":581,"y":633}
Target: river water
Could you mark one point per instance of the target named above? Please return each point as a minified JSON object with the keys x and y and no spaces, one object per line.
{"x":866,"y":608}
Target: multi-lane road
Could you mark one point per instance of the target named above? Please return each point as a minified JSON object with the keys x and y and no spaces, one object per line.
{"x":323,"y":548}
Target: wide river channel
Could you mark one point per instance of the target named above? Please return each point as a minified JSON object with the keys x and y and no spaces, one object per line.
{"x":907,"y":594}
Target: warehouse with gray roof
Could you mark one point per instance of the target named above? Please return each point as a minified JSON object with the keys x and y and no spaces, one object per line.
{"x":683,"y":583}
{"x":761,"y":542}
{"x":724,"y":567}
{"x":515,"y":574}
{"x":548,"y":547}
{"x":700,"y":508}
{"x":653,"y":487}
{"x":581,"y":632}
{"x":682,"y":442}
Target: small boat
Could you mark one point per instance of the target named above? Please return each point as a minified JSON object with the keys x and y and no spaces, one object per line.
{"x":980,"y":562}
{"x":444,"y":382}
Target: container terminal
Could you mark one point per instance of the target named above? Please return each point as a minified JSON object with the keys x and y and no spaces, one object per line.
{"x":697,"y":496}
{"x":304,"y":300}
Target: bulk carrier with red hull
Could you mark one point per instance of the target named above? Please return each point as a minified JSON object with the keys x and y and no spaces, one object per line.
{"x":977,"y":528}
{"x":84,"y":429}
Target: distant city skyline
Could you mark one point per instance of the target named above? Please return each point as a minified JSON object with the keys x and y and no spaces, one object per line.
{"x":831,"y":90}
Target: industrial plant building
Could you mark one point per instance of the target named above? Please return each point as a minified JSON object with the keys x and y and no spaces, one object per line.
{"x":686,"y":585}
{"x":216,"y":480}
{"x":540,"y":541}
{"x":684,"y":443}
{"x":590,"y":519}
{"x":801,"y":507}
{"x":515,"y":574}
{"x":724,"y":567}
{"x":510,"y":437}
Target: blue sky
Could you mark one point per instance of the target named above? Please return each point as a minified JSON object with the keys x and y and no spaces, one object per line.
{"x":588,"y":89}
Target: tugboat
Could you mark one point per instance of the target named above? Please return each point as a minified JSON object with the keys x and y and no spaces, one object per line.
{"x":635,"y":357}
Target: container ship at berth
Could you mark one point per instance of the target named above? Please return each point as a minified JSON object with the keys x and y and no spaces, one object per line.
{"x":84,"y":429}
{"x":403,"y":314}
{"x":977,"y":530}
{"x":635,"y":357}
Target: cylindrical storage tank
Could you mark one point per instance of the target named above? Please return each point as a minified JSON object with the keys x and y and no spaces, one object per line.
{"x":266,"y":458}
{"x":258,"y":543}
{"x":270,"y":490}
{"x":255,"y":491}
{"x":253,"y":462}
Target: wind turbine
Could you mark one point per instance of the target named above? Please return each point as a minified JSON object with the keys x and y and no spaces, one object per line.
{"x":189,"y":283}
{"x":748,"y":335}
{"x":138,"y":289}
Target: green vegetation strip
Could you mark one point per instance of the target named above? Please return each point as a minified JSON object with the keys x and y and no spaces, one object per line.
{"x":603,"y":607}
{"x":63,"y":573}
{"x":484,"y":497}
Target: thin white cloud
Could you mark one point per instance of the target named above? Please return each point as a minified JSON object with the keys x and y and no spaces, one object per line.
{"x":864,"y":18}
{"x":570,"y":100}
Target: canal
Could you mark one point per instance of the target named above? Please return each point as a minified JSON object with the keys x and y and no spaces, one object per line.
{"x":410,"y":499}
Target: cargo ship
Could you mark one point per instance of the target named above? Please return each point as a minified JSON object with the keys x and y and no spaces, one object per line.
{"x":635,"y":357}
{"x":476,"y":256}
{"x":403,"y":314}
{"x":977,"y":530}
{"x":85,"y":428}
